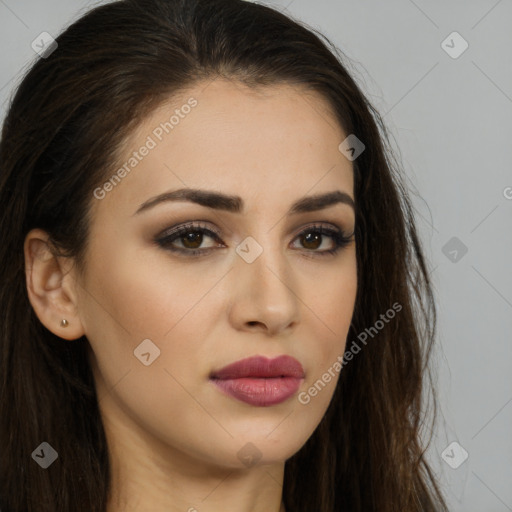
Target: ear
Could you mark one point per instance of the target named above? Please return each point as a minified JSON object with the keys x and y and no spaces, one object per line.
{"x":51,"y":286}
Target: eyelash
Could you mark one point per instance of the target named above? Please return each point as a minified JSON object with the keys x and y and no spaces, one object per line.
{"x":339,"y":238}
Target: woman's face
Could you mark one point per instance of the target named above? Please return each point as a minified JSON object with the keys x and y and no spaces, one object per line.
{"x":163,"y":312}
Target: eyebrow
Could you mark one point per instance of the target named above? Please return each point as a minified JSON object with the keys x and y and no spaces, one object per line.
{"x":235,"y":204}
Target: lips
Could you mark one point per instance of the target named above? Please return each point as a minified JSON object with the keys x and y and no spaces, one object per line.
{"x":261,"y":367}
{"x":260,"y":381}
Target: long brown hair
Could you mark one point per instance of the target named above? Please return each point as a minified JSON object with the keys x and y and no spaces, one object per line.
{"x":60,"y":140}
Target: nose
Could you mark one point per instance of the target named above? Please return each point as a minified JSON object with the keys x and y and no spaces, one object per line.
{"x":263,"y":294}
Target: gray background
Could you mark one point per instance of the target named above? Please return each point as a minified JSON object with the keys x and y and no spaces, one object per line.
{"x":452,"y":121}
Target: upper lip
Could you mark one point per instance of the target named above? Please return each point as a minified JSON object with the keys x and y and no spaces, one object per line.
{"x":261,"y":367}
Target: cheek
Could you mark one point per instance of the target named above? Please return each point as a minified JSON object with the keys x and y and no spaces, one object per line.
{"x":332,"y":305}
{"x":143,"y":295}
{"x":331,"y":313}
{"x":148,"y":294}
{"x":140,"y":300}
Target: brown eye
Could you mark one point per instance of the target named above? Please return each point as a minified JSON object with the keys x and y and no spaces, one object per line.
{"x":313,"y":237}
{"x":311,"y":241}
{"x":188,"y":239}
{"x":192,"y":239}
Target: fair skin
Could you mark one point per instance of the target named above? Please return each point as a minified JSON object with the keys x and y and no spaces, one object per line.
{"x":174,"y":437}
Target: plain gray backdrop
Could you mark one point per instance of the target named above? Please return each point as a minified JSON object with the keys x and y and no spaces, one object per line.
{"x":449,"y":108}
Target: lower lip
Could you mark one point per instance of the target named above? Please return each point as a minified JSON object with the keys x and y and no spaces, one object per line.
{"x":261,"y":392}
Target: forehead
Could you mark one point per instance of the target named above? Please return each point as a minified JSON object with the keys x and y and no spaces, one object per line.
{"x":226,"y":136}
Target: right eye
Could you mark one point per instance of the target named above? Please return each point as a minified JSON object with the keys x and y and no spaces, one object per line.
{"x":191,"y":237}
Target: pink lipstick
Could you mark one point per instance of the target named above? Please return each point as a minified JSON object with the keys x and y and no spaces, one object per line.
{"x":260,"y":381}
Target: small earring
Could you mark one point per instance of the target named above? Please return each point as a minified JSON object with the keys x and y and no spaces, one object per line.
{"x":64,"y":323}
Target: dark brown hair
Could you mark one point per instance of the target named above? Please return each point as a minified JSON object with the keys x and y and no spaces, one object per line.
{"x":65,"y":124}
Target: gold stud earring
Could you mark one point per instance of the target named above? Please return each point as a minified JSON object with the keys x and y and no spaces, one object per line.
{"x":64,"y":323}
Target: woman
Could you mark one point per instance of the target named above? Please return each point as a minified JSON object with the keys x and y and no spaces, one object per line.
{"x":213,"y":293}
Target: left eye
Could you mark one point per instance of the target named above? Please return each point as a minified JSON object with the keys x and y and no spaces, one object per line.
{"x":192,"y":236}
{"x":312,"y":238}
